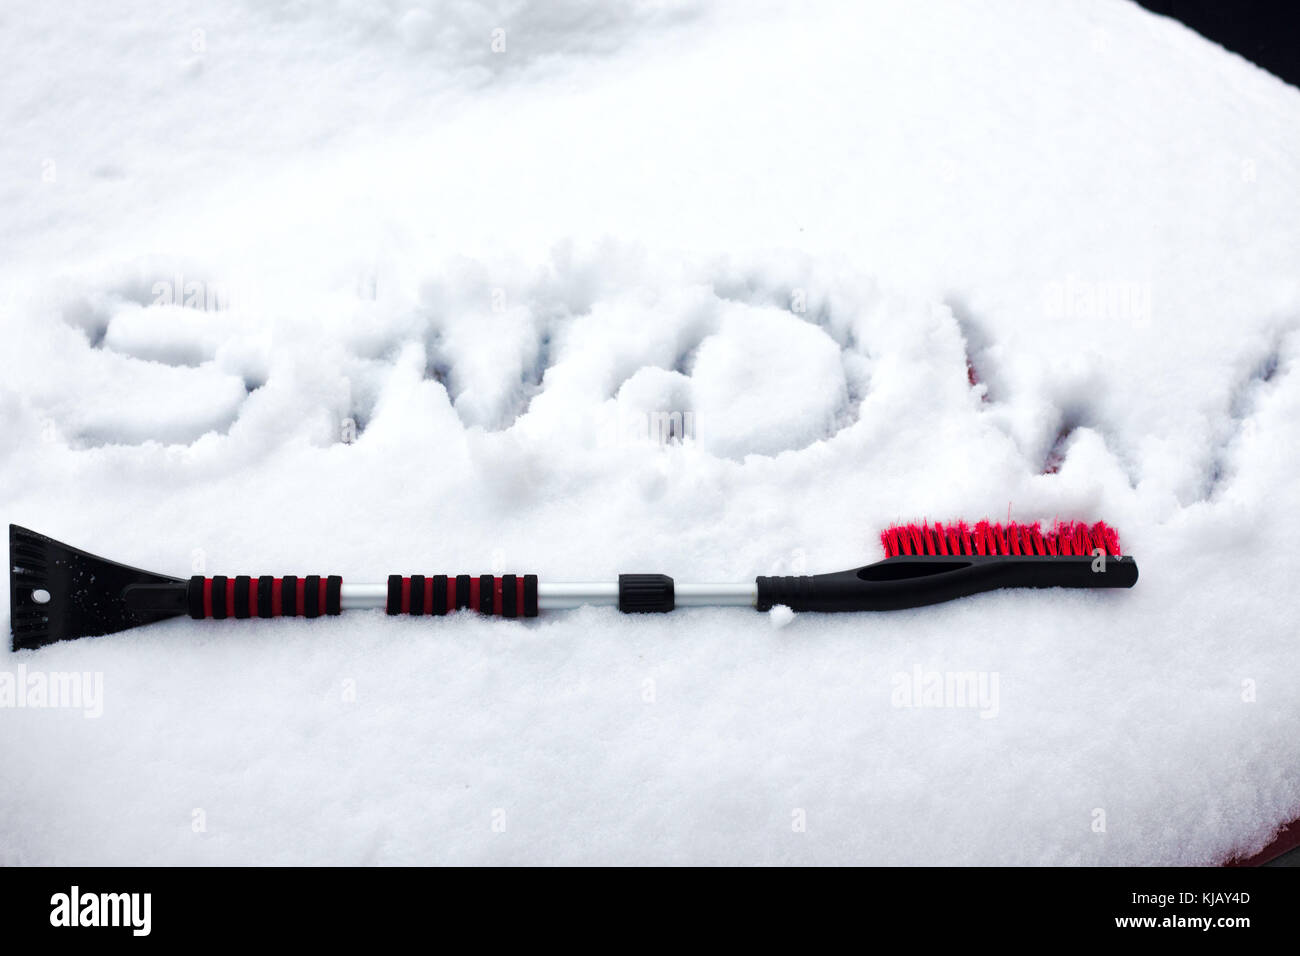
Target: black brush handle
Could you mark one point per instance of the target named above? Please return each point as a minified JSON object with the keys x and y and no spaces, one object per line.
{"x":905,"y":582}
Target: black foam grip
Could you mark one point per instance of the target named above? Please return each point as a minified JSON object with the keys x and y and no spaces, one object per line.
{"x":417,"y":594}
{"x":219,"y":597}
{"x":264,"y":585}
{"x":333,"y":595}
{"x":394,"y":605}
{"x":289,"y":595}
{"x":462,"y":591}
{"x":241,"y":596}
{"x":439,"y":594}
{"x":311,"y":596}
{"x":509,"y":587}
{"x":530,"y":595}
{"x":195,"y":596}
{"x":487,"y":586}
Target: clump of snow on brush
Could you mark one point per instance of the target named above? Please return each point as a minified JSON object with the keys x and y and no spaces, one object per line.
{"x":674,"y":287}
{"x":780,"y":616}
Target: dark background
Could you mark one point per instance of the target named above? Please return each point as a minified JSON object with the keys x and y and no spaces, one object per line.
{"x":1266,"y":32}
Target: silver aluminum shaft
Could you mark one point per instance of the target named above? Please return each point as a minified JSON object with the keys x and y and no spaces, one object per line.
{"x":551,"y":597}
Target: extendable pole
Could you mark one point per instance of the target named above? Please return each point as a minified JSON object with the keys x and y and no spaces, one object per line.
{"x":556,"y":597}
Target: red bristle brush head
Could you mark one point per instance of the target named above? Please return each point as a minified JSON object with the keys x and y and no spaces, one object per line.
{"x":958,"y":538}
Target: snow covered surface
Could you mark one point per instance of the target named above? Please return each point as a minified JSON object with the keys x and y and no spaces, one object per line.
{"x":673,"y":286}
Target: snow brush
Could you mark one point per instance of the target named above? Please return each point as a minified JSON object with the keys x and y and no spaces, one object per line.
{"x":58,"y":593}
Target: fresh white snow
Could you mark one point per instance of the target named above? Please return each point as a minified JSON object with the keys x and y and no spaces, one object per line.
{"x":673,"y":286}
